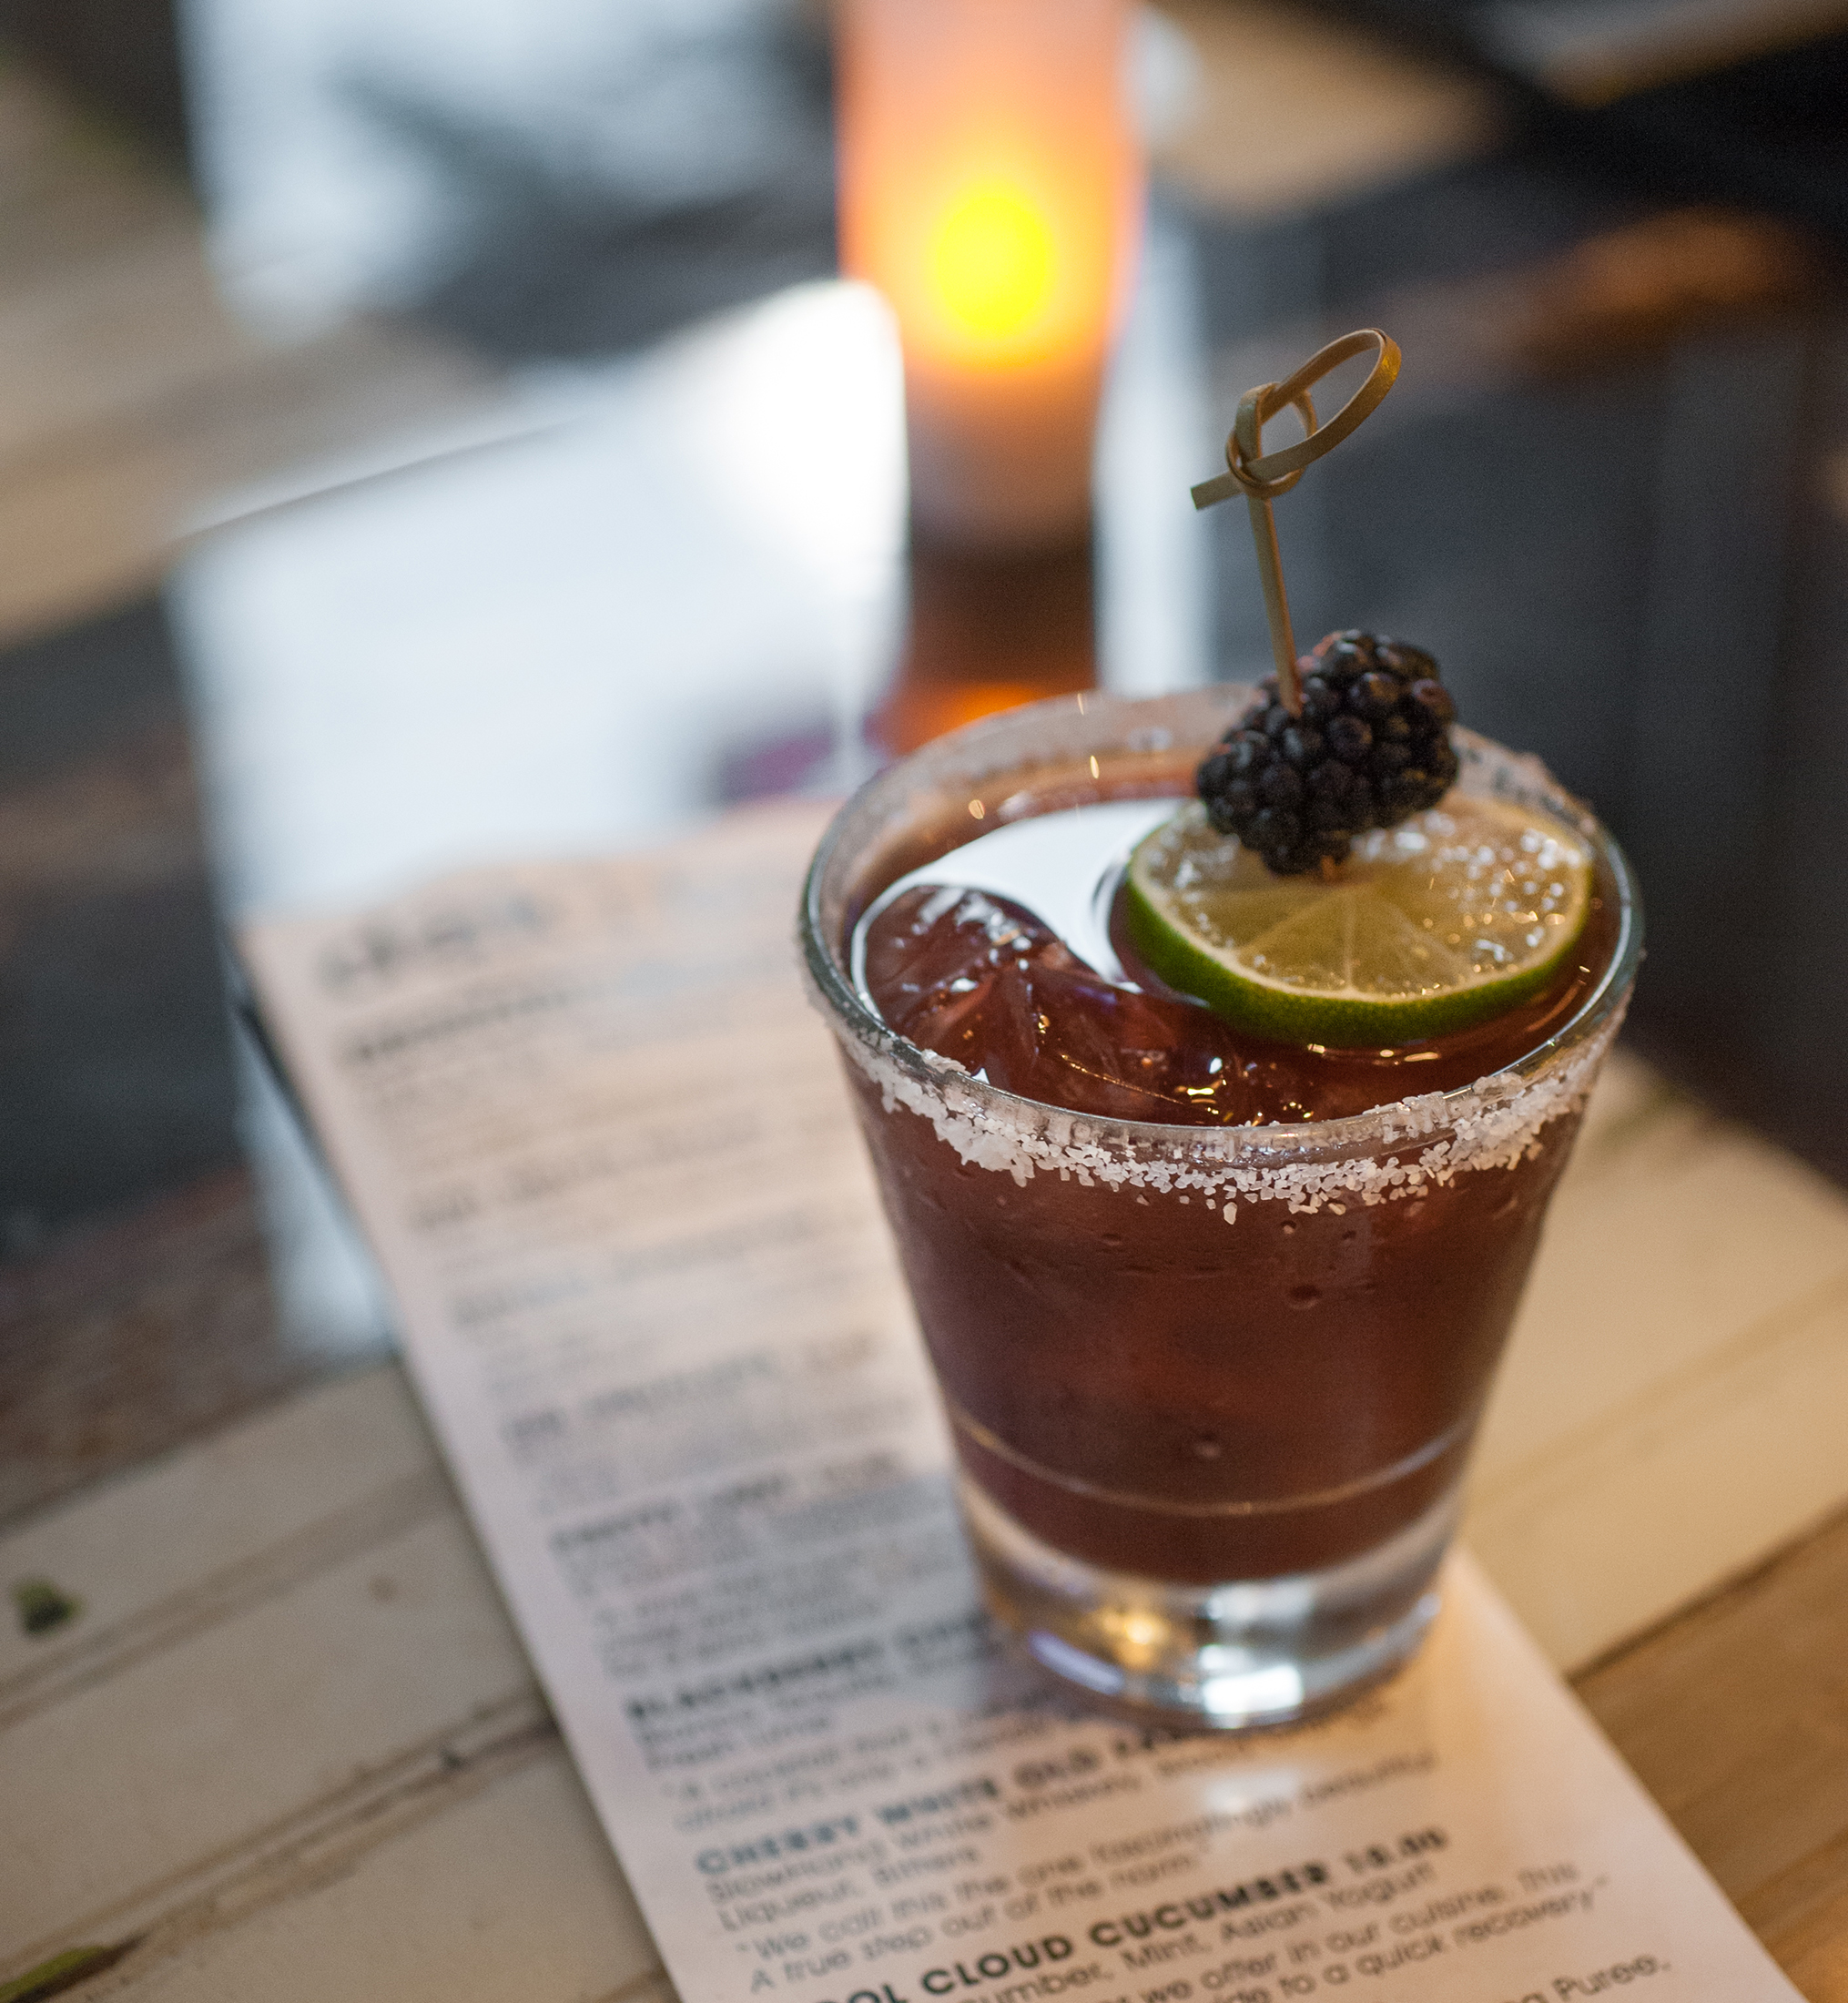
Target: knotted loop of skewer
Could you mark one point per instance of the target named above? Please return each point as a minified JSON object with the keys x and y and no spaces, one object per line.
{"x":1265,"y":475}
{"x":1262,"y":476}
{"x":1256,"y":407}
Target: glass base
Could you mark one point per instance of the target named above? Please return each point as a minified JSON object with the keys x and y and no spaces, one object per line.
{"x":1226,"y":1657}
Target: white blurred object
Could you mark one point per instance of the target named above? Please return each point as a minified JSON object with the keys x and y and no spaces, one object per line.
{"x":1154,"y":438}
{"x":319,"y":208}
{"x":539,"y":644}
{"x":534,"y":647}
{"x":1167,"y":79}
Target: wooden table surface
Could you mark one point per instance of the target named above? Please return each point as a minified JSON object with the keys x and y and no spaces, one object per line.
{"x":287,"y":1745}
{"x":231,"y":1770}
{"x":1735,"y":1716}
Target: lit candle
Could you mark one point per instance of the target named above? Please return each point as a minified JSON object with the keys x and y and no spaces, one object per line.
{"x":991,"y":186}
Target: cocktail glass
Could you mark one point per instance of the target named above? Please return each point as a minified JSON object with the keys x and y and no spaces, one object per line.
{"x":1213,"y":1390}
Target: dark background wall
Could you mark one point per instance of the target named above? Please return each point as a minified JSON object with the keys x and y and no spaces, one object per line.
{"x":124,"y":55}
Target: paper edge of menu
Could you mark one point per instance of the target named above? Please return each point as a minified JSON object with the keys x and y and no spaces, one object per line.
{"x":1465,"y":1833}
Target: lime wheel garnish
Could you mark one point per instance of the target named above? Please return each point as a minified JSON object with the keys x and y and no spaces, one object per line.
{"x":1441,"y":921}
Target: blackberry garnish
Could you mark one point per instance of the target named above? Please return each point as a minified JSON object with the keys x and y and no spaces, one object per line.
{"x":1370,"y":749}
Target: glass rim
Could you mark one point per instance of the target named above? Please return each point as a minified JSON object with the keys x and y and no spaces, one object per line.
{"x":1207,"y":710}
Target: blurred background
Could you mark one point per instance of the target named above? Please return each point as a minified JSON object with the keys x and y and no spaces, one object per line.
{"x":429,"y":433}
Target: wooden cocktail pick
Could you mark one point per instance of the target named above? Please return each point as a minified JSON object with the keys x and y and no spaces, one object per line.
{"x":1261,"y":477}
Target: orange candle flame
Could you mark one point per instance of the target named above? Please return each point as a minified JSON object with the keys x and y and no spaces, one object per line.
{"x":991,"y":187}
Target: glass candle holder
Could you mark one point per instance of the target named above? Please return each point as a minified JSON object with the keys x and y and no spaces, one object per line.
{"x":991,"y":186}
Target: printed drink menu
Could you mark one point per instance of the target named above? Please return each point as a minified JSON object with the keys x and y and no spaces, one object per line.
{"x":602,"y":1149}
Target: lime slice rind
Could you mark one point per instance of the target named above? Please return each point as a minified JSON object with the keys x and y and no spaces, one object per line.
{"x":1442,"y":922}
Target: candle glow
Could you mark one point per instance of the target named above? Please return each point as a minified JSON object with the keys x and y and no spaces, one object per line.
{"x":991,"y":187}
{"x":991,"y":264}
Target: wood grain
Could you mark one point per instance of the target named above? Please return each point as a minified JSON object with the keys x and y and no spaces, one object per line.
{"x":1735,"y":1717}
{"x":131,"y":1335}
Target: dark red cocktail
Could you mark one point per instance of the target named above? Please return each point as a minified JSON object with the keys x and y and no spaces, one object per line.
{"x":1213,"y":1316}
